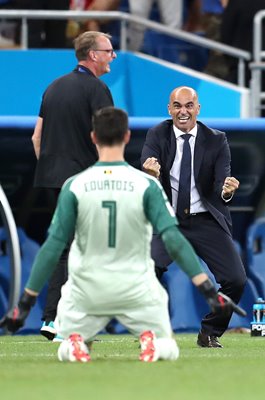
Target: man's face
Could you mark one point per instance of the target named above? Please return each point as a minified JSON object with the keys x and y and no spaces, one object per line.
{"x":184,"y":108}
{"x":104,"y":55}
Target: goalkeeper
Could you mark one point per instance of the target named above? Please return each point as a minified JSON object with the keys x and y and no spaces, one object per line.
{"x":110,"y":209}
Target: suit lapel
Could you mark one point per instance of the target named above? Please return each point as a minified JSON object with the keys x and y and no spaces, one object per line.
{"x":199,"y":151}
{"x":172,"y":150}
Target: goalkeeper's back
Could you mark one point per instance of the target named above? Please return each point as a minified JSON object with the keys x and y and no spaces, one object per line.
{"x":116,"y":207}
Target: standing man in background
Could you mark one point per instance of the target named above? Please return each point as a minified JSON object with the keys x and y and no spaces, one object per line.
{"x":192,"y":162}
{"x":211,"y":18}
{"x":237,"y":31}
{"x":171,"y":14}
{"x":45,"y":33}
{"x":61,"y":138}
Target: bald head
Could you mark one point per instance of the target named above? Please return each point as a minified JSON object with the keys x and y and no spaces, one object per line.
{"x":184,"y":107}
{"x":184,"y":91}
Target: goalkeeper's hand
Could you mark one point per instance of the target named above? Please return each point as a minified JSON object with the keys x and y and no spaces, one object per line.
{"x":12,"y":322}
{"x":219,"y":302}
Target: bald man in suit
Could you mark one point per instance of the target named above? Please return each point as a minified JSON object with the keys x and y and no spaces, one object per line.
{"x":206,"y":221}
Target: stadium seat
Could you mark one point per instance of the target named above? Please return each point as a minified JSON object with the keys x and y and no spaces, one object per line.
{"x":187,"y":306}
{"x":182,"y":308}
{"x":249,"y":297}
{"x":255,"y":253}
{"x":28,"y":250}
{"x":175,"y":50}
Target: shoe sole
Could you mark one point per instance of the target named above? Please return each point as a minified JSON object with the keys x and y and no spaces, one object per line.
{"x":148,"y":353}
{"x":77,"y":353}
{"x":48,"y":332}
{"x":73,"y":350}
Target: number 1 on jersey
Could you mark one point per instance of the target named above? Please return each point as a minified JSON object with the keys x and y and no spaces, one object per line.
{"x":111,"y":205}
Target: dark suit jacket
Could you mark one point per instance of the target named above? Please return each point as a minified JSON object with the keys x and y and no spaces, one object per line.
{"x":211,"y":165}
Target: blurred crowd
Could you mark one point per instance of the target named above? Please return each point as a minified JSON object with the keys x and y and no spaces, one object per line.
{"x":220,"y":20}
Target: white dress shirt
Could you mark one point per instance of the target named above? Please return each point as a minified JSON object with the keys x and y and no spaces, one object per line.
{"x":196,"y":205}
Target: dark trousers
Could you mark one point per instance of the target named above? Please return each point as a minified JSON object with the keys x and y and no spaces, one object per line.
{"x":216,"y":248}
{"x":58,"y":278}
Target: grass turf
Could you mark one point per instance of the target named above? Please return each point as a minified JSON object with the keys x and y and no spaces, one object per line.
{"x":29,"y":369}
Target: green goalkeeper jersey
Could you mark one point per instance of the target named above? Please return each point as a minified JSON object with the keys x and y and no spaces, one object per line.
{"x":110,"y":209}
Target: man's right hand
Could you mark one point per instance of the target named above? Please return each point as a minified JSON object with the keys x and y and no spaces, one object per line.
{"x":152,"y":167}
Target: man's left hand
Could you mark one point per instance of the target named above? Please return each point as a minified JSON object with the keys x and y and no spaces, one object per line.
{"x":230,"y":185}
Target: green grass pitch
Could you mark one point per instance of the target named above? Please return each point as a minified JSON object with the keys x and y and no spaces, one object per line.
{"x":29,"y":369}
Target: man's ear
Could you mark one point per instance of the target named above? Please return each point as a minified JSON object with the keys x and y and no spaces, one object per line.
{"x":127,"y":137}
{"x":93,"y":137}
{"x":92,"y":54}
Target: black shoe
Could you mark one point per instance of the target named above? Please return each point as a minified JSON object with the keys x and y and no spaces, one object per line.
{"x":208,"y":341}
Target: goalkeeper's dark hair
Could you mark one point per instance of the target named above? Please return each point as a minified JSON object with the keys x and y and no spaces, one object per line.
{"x":110,"y":125}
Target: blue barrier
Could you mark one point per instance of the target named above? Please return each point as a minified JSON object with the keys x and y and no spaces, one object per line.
{"x":231,"y":124}
{"x":133,"y":82}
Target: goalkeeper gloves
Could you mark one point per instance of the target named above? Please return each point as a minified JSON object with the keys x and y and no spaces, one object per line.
{"x":219,"y":302}
{"x":17,"y":319}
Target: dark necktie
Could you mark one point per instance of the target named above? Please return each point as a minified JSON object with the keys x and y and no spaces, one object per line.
{"x":183,"y":205}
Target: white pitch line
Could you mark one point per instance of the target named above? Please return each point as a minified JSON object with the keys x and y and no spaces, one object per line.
{"x":3,"y":355}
